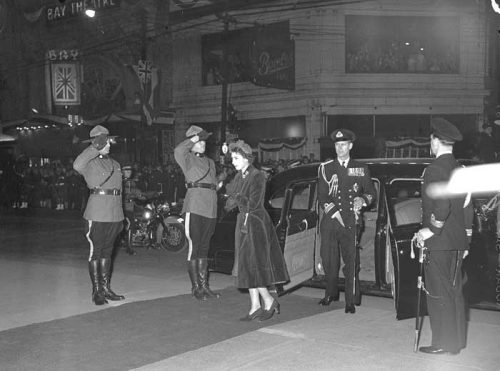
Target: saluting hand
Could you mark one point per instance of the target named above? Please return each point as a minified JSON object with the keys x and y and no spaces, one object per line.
{"x":100,"y":141}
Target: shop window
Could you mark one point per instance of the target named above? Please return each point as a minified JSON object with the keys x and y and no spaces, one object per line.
{"x":390,"y":44}
{"x":238,"y":43}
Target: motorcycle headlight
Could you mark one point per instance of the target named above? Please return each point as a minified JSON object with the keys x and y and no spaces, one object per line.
{"x":319,"y":268}
{"x":147,"y":214}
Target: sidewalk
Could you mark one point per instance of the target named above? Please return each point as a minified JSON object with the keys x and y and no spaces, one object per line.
{"x":371,"y":339}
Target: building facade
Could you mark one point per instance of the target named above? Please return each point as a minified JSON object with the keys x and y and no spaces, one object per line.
{"x":280,"y":74}
{"x":381,"y":68}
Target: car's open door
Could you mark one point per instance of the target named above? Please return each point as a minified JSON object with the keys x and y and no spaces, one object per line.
{"x":404,"y":220}
{"x":297,"y":231}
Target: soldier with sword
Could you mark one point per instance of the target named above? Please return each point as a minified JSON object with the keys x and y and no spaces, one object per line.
{"x":445,"y":238}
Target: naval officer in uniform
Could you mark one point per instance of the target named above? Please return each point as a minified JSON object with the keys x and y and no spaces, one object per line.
{"x":446,"y":234}
{"x":200,"y":206}
{"x":344,"y":188}
{"x":104,"y":211}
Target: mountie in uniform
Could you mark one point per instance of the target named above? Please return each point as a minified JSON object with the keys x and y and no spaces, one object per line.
{"x":344,"y":188}
{"x":104,"y":211}
{"x":200,"y":206}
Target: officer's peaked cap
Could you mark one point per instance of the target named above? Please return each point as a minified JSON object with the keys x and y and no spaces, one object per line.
{"x":342,"y":135}
{"x":445,"y":130}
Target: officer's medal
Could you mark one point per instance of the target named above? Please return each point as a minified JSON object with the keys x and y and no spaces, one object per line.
{"x":335,"y":184}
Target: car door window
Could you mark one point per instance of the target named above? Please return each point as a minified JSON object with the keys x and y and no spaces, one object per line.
{"x":302,"y":211}
{"x":301,"y":197}
{"x":276,"y":200}
{"x":405,"y":203}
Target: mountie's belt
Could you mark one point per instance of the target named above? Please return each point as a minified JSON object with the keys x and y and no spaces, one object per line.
{"x":106,"y":192}
{"x":201,"y":185}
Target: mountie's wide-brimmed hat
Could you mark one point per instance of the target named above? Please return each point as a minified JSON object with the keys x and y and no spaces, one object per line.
{"x":342,"y":135}
{"x":196,"y":130}
{"x":98,"y":130}
{"x":445,"y":130}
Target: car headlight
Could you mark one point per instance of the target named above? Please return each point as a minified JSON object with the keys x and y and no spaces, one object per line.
{"x":147,"y":214}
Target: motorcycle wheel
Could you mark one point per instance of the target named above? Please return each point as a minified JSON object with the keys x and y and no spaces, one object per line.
{"x":173,"y":238}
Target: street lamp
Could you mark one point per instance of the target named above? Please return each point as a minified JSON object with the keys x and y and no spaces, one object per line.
{"x":90,"y":11}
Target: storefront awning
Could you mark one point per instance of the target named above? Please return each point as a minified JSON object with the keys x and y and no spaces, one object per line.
{"x":163,"y":118}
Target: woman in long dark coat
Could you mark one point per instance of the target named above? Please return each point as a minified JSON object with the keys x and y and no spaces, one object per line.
{"x":260,"y":262}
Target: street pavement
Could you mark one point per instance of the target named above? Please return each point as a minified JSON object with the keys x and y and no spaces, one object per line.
{"x":43,"y":270}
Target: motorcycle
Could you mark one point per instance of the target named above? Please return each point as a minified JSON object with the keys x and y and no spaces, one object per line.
{"x":156,"y":224}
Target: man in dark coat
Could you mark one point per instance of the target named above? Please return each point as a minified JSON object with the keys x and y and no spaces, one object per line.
{"x":200,"y":206}
{"x":344,"y":188}
{"x":487,"y":147}
{"x":446,"y":233}
{"x":104,"y":211}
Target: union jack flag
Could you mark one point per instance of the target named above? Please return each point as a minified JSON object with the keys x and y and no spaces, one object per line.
{"x":65,"y":84}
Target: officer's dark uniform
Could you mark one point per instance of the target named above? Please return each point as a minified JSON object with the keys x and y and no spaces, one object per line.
{"x":338,"y":186}
{"x":104,"y":212}
{"x":200,"y":206}
{"x":450,"y":219}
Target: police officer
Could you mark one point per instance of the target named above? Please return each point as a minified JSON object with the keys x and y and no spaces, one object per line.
{"x":446,"y":233}
{"x":200,"y":206}
{"x":344,"y":188}
{"x":104,"y":211}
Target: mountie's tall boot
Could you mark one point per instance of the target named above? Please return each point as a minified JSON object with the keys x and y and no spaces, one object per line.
{"x":203,"y":279}
{"x":106,"y":277}
{"x":192,"y":268}
{"x":97,"y":290}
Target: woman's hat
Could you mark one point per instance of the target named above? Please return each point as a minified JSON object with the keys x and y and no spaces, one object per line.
{"x":240,"y":146}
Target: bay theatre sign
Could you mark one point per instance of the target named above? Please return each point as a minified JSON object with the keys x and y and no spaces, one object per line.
{"x":77,"y":7}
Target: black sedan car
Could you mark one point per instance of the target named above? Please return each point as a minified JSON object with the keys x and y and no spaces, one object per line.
{"x":387,"y":267}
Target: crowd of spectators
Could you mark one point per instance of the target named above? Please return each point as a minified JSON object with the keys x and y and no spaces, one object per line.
{"x":393,"y":58}
{"x":58,"y":186}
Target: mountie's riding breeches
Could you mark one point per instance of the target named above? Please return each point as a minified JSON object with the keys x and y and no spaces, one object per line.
{"x":102,"y":237}
{"x":199,"y":231}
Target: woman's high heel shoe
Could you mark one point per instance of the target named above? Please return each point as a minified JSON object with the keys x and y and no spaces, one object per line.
{"x":267,"y":314}
{"x":251,"y":316}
